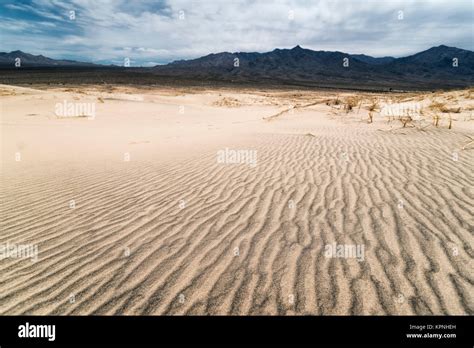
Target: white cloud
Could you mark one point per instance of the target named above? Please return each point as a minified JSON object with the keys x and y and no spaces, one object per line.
{"x":105,"y":29}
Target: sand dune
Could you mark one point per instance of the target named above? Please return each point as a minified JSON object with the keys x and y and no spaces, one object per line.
{"x":173,"y":231}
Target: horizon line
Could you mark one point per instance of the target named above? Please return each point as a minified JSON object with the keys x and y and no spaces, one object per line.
{"x":79,"y":59}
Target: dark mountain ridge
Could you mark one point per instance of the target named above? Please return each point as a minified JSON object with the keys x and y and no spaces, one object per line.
{"x":437,"y":67}
{"x":303,"y":65}
{"x":30,"y":60}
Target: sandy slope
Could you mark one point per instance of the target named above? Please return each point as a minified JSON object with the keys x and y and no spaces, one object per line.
{"x":172,"y":231}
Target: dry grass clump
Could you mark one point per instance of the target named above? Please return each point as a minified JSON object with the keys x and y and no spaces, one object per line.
{"x":450,"y":122}
{"x":436,"y":119}
{"x":435,"y":105}
{"x":228,"y":102}
{"x":351,"y":103}
{"x":452,"y":110}
{"x":336,"y":101}
{"x":440,"y":106}
{"x":4,"y":93}
{"x":406,"y":120}
{"x":374,"y":105}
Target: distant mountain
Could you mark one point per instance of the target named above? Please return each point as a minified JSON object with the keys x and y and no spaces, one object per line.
{"x":29,"y":60}
{"x":441,"y":56}
{"x":303,"y":66}
{"x":372,"y":60}
{"x":430,"y":69}
{"x":437,"y":60}
{"x":292,"y":63}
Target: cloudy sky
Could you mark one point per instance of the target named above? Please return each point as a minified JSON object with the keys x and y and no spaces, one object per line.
{"x":151,"y":32}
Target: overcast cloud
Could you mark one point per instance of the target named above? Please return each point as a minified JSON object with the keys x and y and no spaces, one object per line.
{"x":156,"y":32}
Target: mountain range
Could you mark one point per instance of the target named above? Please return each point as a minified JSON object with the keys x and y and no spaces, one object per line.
{"x":299,"y":65}
{"x":437,"y":67}
{"x":30,"y":60}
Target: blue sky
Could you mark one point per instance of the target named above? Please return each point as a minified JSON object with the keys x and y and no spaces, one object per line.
{"x":151,"y":32}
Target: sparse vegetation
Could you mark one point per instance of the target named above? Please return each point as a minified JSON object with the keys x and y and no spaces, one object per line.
{"x":228,"y":102}
{"x":333,"y":102}
{"x":440,"y":106}
{"x":350,"y":103}
{"x":374,"y":105}
{"x":405,"y":120}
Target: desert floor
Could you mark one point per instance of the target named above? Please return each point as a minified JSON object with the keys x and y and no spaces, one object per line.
{"x":133,"y":213}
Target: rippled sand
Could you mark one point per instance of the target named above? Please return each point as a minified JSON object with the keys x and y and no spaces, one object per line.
{"x":132,"y":213}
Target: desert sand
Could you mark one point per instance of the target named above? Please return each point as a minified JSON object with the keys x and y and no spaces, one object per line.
{"x":133,"y":212}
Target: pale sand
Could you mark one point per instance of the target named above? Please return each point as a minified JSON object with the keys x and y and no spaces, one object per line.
{"x":322,"y":176}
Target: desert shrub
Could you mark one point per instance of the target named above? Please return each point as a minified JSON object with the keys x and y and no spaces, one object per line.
{"x":439,"y":106}
{"x":374,"y":105}
{"x":351,"y":103}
